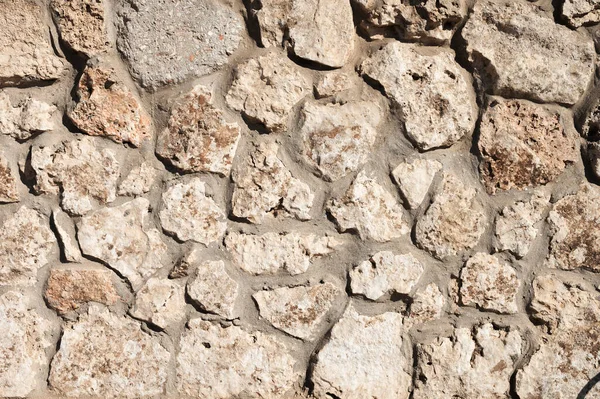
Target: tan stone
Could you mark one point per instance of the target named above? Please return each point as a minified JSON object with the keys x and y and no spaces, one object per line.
{"x":8,"y":183}
{"x":139,"y":181}
{"x":428,"y":304}
{"x":414,"y":179}
{"x":212,"y":288}
{"x":581,"y":12}
{"x":334,"y":82}
{"x":66,"y":234}
{"x":25,"y":119}
{"x":82,"y":25}
{"x":160,"y":302}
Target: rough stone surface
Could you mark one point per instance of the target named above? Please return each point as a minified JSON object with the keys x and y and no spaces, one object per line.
{"x":435,"y":95}
{"x":581,"y":12}
{"x":25,"y":119}
{"x":299,"y":311}
{"x":8,"y":183}
{"x":370,"y":210}
{"x":414,"y":179}
{"x":365,"y":357}
{"x":103,"y":354}
{"x":386,"y":272}
{"x":139,"y":181}
{"x":212,"y":288}
{"x":166,"y":45}
{"x":271,"y":252}
{"x":518,"y":51}
{"x":66,"y":234}
{"x":334,"y":82}
{"x":160,"y":302}
{"x":82,"y":25}
{"x":428,"y":304}
{"x":197,"y":138}
{"x":217,"y":362}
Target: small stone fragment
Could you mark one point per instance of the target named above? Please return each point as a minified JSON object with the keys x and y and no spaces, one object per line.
{"x":160,"y":302}
{"x":8,"y":183}
{"x":266,"y":88}
{"x":68,"y":289}
{"x":217,"y":362}
{"x":212,"y":288}
{"x":365,"y":357}
{"x":264,"y":186}
{"x":79,"y":170}
{"x":26,"y":242}
{"x":415,"y":178}
{"x":139,"y":181}
{"x":454,"y":221}
{"x":338,"y":138}
{"x":26,"y":119}
{"x":428,"y":304}
{"x":435,"y":94}
{"x":581,"y":12}
{"x":299,"y":311}
{"x":81,"y":25}
{"x":66,"y":234}
{"x":102,"y":354}
{"x":490,"y":284}
{"x":517,"y":50}
{"x":370,"y":210}
{"x":188,"y":214}
{"x":334,"y":82}
{"x":271,"y":252}
{"x":386,"y":272}
{"x":106,"y":107}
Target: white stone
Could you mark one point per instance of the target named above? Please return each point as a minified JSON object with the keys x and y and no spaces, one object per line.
{"x":428,"y":304}
{"x":211,"y":287}
{"x":414,"y":179}
{"x":581,"y":12}
{"x":26,"y":119}
{"x":139,"y":181}
{"x":66,"y":234}
{"x":160,"y":302}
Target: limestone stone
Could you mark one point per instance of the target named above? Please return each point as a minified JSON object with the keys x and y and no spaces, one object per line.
{"x":217,"y":362}
{"x":103,"y":354}
{"x":516,"y":225}
{"x":264,"y":187}
{"x":160,"y":302}
{"x":454,"y":221}
{"x":338,"y":138}
{"x":82,"y":25}
{"x":490,"y":284}
{"x":188,"y":214}
{"x":265,"y":89}
{"x":271,"y":252}
{"x":26,"y":243}
{"x":428,"y":304}
{"x":79,"y":170}
{"x":23,"y":344}
{"x":197,"y":138}
{"x":365,"y":357}
{"x":8,"y":183}
{"x":370,"y":210}
{"x":386,"y":272}
{"x":212,"y":288}
{"x":435,"y":95}
{"x":139,"y":181}
{"x":26,"y":53}
{"x":334,"y":82}
{"x":165,"y":45}
{"x":299,"y":311}
{"x":106,"y":107}
{"x":66,"y":234}
{"x":25,"y":119}
{"x":69,"y":288}
{"x":414,"y":179}
{"x":581,"y":12}
{"x":518,"y":50}
{"x":120,"y":236}
{"x":475,"y":364}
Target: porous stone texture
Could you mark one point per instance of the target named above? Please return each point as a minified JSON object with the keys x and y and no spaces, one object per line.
{"x":82,"y":25}
{"x":212,"y":289}
{"x":139,"y":181}
{"x":160,"y":302}
{"x":8,"y":183}
{"x":581,"y":12}
{"x":25,"y":119}
{"x":414,"y":179}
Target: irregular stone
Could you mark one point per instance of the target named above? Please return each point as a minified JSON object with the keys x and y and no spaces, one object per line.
{"x":8,"y":183}
{"x":188,"y":214}
{"x":517,"y":50}
{"x":212,"y":288}
{"x":435,"y":94}
{"x":516,"y":224}
{"x":575,"y":239}
{"x":160,"y":302}
{"x":217,"y":362}
{"x":414,"y":179}
{"x":489,"y":284}
{"x":365,"y":357}
{"x":79,"y":170}
{"x":26,"y":53}
{"x":26,"y":119}
{"x":66,"y":234}
{"x":106,"y":107}
{"x":23,"y":346}
{"x":166,"y":46}
{"x":139,"y":181}
{"x":265,"y":89}
{"x":271,"y":252}
{"x":477,"y":365}
{"x":197,"y":137}
{"x":103,"y":354}
{"x":593,"y":157}
{"x":68,"y":289}
{"x":386,"y":272}
{"x":428,"y":304}
{"x":264,"y":186}
{"x":332,"y":83}
{"x":454,"y":221}
{"x":26,"y":242}
{"x":523,"y":144}
{"x":81,"y":25}
{"x":299,"y":311}
{"x":338,"y":138}
{"x":119,"y":237}
{"x":581,"y":12}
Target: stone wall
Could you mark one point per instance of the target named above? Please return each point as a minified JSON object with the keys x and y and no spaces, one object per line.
{"x":299,"y":198}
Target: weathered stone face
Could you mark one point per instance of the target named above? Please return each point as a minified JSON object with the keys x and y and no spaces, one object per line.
{"x":82,"y":25}
{"x":428,"y":304}
{"x":26,"y":119}
{"x":139,"y":181}
{"x":415,"y":178}
{"x":581,"y":12}
{"x":212,"y":288}
{"x":160,"y":302}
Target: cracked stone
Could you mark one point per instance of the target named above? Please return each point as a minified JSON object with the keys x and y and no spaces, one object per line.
{"x":370,"y":210}
{"x":427,"y":304}
{"x":517,"y":50}
{"x":189,"y":214}
{"x":581,"y":12}
{"x":414,"y":179}
{"x":66,"y":234}
{"x":334,"y":82}
{"x":139,"y":181}
{"x":82,"y":25}
{"x":8,"y":183}
{"x":299,"y":311}
{"x":435,"y":95}
{"x":160,"y":302}
{"x":25,"y":119}
{"x":386,"y":272}
{"x":219,"y":362}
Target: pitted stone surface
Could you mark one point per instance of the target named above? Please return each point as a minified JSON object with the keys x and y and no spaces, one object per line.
{"x":139,"y":181}
{"x":581,"y":12}
{"x":160,"y":302}
{"x":25,"y":119}
{"x":82,"y":25}
{"x":212,"y":288}
{"x":8,"y":182}
{"x":414,"y":179}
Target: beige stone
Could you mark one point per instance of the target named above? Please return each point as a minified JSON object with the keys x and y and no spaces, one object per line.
{"x":66,"y":234}
{"x":334,"y":82}
{"x":82,"y":25}
{"x":428,"y":304}
{"x":25,"y":119}
{"x":414,"y":179}
{"x":139,"y":181}
{"x":581,"y":12}
{"x":212,"y":288}
{"x":8,"y":183}
{"x":160,"y":302}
